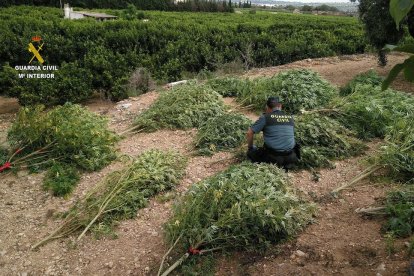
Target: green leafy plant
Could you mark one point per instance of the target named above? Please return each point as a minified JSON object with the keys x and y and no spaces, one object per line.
{"x":297,"y":90}
{"x":323,"y":139}
{"x":223,"y":132}
{"x":122,"y":193}
{"x":4,"y":155}
{"x":186,"y":106}
{"x":411,"y":247}
{"x":398,"y":152}
{"x":230,"y":87}
{"x":69,"y":133}
{"x":61,"y":179}
{"x":248,"y":206}
{"x":369,"y":111}
{"x":399,"y":208}
{"x":399,"y":9}
{"x":390,"y":243}
{"x":93,"y":57}
{"x":369,"y":78}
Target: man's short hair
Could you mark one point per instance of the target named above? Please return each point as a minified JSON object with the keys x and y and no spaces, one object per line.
{"x":272,"y":102}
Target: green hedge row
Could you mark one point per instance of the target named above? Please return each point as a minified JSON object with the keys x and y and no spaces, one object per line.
{"x":168,"y":45}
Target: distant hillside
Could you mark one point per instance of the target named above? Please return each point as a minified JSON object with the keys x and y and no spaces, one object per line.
{"x":345,"y":7}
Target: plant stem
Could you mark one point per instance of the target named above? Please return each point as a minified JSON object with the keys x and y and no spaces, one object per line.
{"x":16,"y":152}
{"x":372,"y":210}
{"x":41,"y":150}
{"x":31,"y":159}
{"x":176,"y":264}
{"x":131,"y":130}
{"x":168,"y":252}
{"x":105,"y":203}
{"x":358,"y":178}
{"x":39,"y":163}
{"x":50,"y":237}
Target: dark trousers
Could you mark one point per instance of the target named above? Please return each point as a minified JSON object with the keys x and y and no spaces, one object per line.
{"x":284,"y":160}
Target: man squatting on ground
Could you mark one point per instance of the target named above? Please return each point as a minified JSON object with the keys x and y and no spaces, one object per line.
{"x":278,"y":133}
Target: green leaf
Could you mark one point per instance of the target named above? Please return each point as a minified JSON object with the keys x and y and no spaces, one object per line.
{"x":409,"y":72}
{"x":392,"y":75}
{"x":407,"y":48}
{"x":399,"y":9}
{"x":409,"y":69}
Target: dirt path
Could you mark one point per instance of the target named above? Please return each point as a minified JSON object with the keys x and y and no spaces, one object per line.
{"x":340,"y":242}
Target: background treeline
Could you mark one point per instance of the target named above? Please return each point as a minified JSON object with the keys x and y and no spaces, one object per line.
{"x":101,"y":56}
{"x":164,"y":5}
{"x":320,"y":8}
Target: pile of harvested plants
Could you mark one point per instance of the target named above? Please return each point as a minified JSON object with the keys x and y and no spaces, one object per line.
{"x":186,"y":106}
{"x":398,"y":152}
{"x":121,"y":194}
{"x":396,"y":156}
{"x":247,"y":207}
{"x":68,"y":134}
{"x":368,"y":78}
{"x":369,"y":111}
{"x":297,"y":90}
{"x":230,"y":87}
{"x":223,"y":132}
{"x":323,"y":139}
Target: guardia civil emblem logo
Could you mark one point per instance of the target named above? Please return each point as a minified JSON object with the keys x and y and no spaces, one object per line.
{"x":35,"y":46}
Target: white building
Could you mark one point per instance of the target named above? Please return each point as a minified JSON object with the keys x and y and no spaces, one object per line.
{"x":70,"y":14}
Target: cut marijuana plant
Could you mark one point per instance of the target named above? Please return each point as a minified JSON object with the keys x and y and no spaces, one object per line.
{"x":248,"y":206}
{"x":70,"y":134}
{"x":122,"y":193}
{"x":186,"y":106}
{"x":296,"y":89}
{"x":323,"y":139}
{"x":223,"y":132}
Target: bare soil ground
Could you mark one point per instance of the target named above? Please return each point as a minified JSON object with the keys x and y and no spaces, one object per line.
{"x":339,"y":242}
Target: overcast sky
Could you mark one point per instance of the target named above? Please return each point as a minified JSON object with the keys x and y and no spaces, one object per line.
{"x":319,"y":1}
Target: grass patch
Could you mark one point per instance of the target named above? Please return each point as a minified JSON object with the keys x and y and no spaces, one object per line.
{"x":203,"y":265}
{"x":165,"y":197}
{"x":400,"y":211}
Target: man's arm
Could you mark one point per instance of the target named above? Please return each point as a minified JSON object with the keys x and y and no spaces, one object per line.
{"x":249,"y":136}
{"x":255,"y":128}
